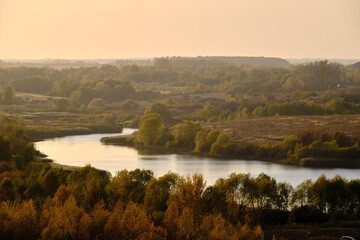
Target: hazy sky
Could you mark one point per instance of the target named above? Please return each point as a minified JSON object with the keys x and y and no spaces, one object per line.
{"x":36,"y":29}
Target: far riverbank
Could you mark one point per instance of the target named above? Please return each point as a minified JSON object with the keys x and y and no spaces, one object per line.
{"x":129,"y":141}
{"x":40,"y":134}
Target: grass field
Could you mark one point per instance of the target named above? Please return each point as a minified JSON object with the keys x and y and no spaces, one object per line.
{"x":261,"y":130}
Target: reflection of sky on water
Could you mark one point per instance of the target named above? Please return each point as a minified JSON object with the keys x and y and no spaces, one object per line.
{"x":87,"y":149}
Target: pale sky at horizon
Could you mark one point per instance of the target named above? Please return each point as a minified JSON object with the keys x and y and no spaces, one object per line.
{"x":94,"y":29}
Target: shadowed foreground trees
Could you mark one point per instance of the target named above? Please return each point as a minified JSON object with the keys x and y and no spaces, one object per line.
{"x":88,"y":204}
{"x":132,"y":205}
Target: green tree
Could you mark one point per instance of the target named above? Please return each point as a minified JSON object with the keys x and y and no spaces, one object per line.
{"x":222,"y":146}
{"x":160,"y":109}
{"x":96,"y":105}
{"x":62,"y":105}
{"x":185,"y":134}
{"x":19,"y":161}
{"x":201,"y":145}
{"x":318,"y":193}
{"x":157,"y":194}
{"x":33,"y":84}
{"x":301,"y":195}
{"x":64,"y":88}
{"x":4,"y":149}
{"x":293,"y":83}
{"x":163,"y":136}
{"x":214,"y":200}
{"x":337,"y":196}
{"x":8,"y":95}
{"x":109,"y":119}
{"x":130,"y":186}
{"x":6,"y":190}
{"x":51,"y":182}
{"x":149,"y":127}
{"x":129,"y":105}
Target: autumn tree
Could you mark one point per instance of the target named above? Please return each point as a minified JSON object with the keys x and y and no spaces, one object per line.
{"x":19,"y":221}
{"x":184,"y":213}
{"x":61,"y":221}
{"x":136,"y":225}
{"x":99,"y":216}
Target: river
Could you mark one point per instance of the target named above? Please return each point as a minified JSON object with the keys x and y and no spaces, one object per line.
{"x":81,"y":150}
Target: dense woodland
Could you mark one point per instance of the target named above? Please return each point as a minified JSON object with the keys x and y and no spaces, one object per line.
{"x":38,"y":201}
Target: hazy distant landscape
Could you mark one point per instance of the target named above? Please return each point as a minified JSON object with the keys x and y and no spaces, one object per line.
{"x":180,"y":120}
{"x":258,"y":61}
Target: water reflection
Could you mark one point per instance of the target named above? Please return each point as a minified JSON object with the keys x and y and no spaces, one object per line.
{"x":87,"y":149}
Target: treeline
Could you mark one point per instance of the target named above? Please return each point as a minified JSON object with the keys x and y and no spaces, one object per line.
{"x":131,"y":205}
{"x":217,"y":61}
{"x":47,"y":203}
{"x":306,"y":107}
{"x":317,"y":76}
{"x":190,"y":136}
{"x":243,"y":109}
{"x":109,"y":90}
{"x":299,"y":103}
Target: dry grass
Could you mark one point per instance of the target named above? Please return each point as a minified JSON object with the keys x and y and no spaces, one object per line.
{"x":34,"y":96}
{"x":261,"y":130}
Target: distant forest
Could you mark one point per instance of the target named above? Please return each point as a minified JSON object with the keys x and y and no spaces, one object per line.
{"x":207,"y":61}
{"x":209,"y":74}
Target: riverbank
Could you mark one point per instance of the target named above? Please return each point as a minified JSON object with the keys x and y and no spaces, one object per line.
{"x":43,"y":158}
{"x":129,"y":141}
{"x":39,"y":134}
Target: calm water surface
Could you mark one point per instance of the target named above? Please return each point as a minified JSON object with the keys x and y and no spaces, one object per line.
{"x":87,"y":149}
